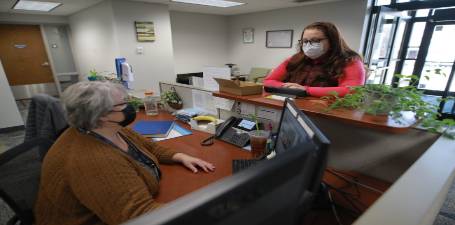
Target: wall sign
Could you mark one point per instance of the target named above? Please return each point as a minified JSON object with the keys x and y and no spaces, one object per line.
{"x":20,"y":45}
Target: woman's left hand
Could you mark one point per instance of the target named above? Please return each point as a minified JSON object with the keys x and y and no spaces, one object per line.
{"x":192,"y":163}
{"x":294,"y":85}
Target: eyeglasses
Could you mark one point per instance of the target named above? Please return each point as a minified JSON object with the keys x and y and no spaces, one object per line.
{"x":312,"y":41}
{"x":119,"y":104}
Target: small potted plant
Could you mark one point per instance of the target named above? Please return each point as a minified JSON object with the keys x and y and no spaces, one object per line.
{"x":383,"y":100}
{"x":258,"y":139}
{"x":172,"y":99}
{"x":135,"y":102}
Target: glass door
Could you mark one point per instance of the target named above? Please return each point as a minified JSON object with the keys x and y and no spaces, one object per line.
{"x":382,"y":52}
{"x":436,"y":59}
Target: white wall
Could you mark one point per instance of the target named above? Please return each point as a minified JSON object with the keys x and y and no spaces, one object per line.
{"x":199,"y":40}
{"x":10,"y":116}
{"x":348,"y":15}
{"x":105,"y":31}
{"x":157,"y":62}
{"x":93,"y":39}
{"x":61,"y":54}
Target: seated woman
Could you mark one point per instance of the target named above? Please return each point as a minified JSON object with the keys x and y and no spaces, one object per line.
{"x":323,"y":65}
{"x":98,"y":171}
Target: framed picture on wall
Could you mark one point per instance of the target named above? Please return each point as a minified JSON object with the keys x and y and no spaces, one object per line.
{"x":145,"y":31}
{"x":279,"y":38}
{"x":248,"y":35}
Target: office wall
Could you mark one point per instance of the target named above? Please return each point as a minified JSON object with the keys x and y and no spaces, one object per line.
{"x":32,"y":19}
{"x":59,"y":48}
{"x":348,"y":15}
{"x":199,"y":40}
{"x":105,"y":31}
{"x":93,"y":39}
{"x":10,"y":116}
{"x":157,"y":61}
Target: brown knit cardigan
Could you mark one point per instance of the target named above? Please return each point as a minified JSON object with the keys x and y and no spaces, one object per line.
{"x":86,"y":181}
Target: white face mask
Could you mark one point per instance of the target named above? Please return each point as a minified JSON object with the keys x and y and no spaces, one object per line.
{"x":313,"y":51}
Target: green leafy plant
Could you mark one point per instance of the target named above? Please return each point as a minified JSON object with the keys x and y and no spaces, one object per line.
{"x":381,"y":99}
{"x":135,"y":102}
{"x":254,"y":118}
{"x":93,"y":75}
{"x":171,"y":96}
{"x":172,"y":99}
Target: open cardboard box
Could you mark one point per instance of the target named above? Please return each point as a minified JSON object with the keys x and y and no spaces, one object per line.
{"x":239,"y":87}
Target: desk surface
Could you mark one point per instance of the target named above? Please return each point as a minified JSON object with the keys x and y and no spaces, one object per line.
{"x":317,"y":106}
{"x":177,"y":180}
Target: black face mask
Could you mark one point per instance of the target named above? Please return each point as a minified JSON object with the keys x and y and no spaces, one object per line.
{"x":130,"y":115}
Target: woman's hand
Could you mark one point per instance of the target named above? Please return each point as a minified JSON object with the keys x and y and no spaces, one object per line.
{"x":192,"y":163}
{"x":294,"y":85}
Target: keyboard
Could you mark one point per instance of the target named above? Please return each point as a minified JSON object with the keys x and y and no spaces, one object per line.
{"x":241,"y":164}
{"x":287,"y":91}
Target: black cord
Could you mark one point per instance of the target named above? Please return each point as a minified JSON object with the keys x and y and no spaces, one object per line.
{"x":356,"y":209}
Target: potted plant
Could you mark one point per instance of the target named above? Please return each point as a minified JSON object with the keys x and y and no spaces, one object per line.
{"x":383,"y":100}
{"x":258,"y":139}
{"x":172,"y":99}
{"x":135,"y":102}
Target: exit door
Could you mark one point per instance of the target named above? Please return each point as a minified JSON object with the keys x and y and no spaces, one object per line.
{"x":23,"y":55}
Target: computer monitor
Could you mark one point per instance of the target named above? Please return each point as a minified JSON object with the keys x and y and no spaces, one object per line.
{"x":310,"y":138}
{"x":269,"y":193}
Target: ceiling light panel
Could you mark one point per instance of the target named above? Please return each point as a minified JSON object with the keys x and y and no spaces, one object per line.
{"x":36,"y":5}
{"x":216,"y":3}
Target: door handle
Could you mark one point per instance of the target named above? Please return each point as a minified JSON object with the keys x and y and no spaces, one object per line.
{"x":45,"y":64}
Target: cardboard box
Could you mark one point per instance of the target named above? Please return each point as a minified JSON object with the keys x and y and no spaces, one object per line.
{"x":239,"y":87}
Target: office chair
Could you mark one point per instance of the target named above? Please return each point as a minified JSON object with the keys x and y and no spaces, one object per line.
{"x":46,"y":118}
{"x":258,"y":74}
{"x":20,"y":170}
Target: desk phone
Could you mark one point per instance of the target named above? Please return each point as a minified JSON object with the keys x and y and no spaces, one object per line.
{"x":234,"y":131}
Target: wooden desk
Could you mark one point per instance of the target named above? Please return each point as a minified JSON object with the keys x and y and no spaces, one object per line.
{"x":177,"y":180}
{"x":316,"y":106}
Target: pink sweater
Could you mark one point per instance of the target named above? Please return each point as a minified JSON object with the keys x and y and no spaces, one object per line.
{"x":353,"y":75}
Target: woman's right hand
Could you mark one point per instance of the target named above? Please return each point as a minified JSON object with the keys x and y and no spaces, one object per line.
{"x":294,"y":85}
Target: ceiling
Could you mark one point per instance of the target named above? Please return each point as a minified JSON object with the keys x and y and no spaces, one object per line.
{"x":72,"y":6}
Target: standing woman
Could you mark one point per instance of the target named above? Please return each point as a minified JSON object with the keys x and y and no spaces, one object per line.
{"x":98,"y":171}
{"x":323,"y":65}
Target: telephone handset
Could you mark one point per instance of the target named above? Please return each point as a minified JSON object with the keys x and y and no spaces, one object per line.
{"x":224,"y":126}
{"x":226,"y":133}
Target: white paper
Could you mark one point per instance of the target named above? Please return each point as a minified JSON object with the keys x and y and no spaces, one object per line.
{"x":172,"y":134}
{"x":215,"y":72}
{"x":267,"y":113}
{"x":222,"y":103}
{"x":204,"y":100}
{"x":247,"y":109}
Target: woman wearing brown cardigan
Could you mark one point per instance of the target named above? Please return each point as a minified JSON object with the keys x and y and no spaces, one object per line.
{"x":99,"y":172}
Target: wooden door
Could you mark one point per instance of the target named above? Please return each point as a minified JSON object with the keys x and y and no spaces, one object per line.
{"x":23,"y":55}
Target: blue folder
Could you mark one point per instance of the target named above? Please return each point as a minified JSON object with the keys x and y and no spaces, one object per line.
{"x":149,"y":128}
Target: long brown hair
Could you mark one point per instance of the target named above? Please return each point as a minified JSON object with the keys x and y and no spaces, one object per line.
{"x":335,"y":58}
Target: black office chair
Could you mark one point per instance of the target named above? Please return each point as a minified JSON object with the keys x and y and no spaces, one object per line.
{"x":20,"y":170}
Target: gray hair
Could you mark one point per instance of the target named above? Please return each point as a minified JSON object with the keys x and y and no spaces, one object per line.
{"x":85,"y":102}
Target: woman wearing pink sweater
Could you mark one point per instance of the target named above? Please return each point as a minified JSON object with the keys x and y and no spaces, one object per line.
{"x":323,"y":65}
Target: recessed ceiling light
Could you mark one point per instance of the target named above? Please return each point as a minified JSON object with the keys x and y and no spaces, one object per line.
{"x":217,"y":3}
{"x":36,"y":5}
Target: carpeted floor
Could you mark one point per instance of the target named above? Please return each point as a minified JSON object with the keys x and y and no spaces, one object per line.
{"x":7,"y":141}
{"x":447,"y":213}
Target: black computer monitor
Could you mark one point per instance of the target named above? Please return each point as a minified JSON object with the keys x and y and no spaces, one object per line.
{"x":269,"y":193}
{"x":310,"y":138}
